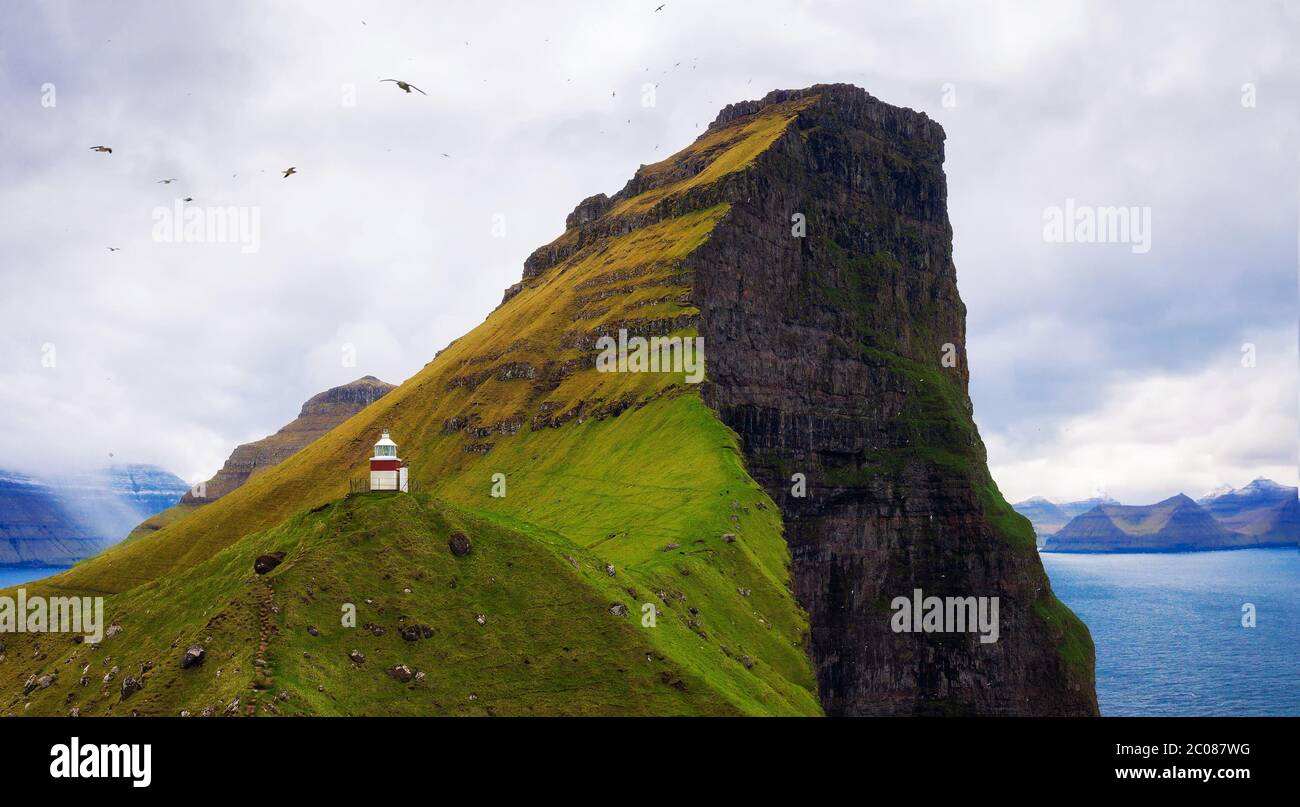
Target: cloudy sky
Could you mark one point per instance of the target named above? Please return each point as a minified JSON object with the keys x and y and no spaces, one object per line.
{"x":1095,"y":367}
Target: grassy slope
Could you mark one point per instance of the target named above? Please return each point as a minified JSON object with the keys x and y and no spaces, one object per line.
{"x":550,"y":644}
{"x":601,"y":488}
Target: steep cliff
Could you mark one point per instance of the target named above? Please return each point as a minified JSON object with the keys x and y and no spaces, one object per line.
{"x":827,"y":300}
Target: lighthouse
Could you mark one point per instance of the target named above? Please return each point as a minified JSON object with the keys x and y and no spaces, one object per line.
{"x":386,"y":470}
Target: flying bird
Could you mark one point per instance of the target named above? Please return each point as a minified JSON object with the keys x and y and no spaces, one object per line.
{"x":290,"y":170}
{"x":402,"y":85}
{"x":661,"y":8}
{"x":102,"y":149}
{"x":114,"y":249}
{"x":166,"y":181}
{"x":188,"y":199}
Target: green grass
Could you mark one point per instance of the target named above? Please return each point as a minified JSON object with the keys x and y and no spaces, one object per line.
{"x":550,"y":645}
{"x":598,"y":489}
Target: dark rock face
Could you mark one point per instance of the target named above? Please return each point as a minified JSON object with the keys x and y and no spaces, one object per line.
{"x":824,"y":355}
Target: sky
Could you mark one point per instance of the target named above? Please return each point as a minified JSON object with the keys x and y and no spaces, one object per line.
{"x":1139,"y":368}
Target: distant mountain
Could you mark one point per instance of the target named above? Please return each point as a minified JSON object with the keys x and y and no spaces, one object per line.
{"x":1219,"y":491}
{"x":319,"y":414}
{"x":59,"y":520}
{"x":1047,"y":517}
{"x":1264,"y":510}
{"x":1177,"y":524}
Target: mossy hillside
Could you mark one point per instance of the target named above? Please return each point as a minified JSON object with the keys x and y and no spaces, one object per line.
{"x":663,"y":525}
{"x":716,"y":154}
{"x":159,"y":520}
{"x":616,"y":465}
{"x":548,"y":643}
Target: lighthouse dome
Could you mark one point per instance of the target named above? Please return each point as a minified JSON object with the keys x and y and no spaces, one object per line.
{"x":385,"y":447}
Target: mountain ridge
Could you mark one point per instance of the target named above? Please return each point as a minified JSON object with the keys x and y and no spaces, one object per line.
{"x":1264,"y":513}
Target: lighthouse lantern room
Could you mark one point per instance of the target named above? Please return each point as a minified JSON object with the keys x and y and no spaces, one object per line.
{"x":386,"y":470}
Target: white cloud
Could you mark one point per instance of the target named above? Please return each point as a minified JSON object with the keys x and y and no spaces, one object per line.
{"x":1155,"y":436}
{"x":172,"y":353}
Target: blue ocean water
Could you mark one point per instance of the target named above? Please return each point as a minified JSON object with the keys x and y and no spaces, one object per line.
{"x":1169,"y":635}
{"x":13,"y":576}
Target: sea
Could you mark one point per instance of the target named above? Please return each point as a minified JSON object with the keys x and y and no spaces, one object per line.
{"x":17,"y":575}
{"x":1170,"y":629}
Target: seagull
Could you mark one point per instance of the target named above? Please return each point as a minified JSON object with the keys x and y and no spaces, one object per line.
{"x":661,"y":8}
{"x":402,"y":85}
{"x":102,"y":149}
{"x":166,"y":181}
{"x":290,"y":170}
{"x":114,"y":249}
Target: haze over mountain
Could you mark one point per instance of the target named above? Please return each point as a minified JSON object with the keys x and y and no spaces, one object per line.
{"x":59,"y":519}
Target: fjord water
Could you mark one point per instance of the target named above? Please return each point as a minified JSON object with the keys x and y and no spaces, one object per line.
{"x":1169,"y":635}
{"x":17,"y":575}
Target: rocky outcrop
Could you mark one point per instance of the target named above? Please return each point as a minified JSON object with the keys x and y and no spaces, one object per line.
{"x":835,"y":343}
{"x":319,"y":414}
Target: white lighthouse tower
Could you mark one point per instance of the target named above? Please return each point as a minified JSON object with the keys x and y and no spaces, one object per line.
{"x":386,"y":470}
